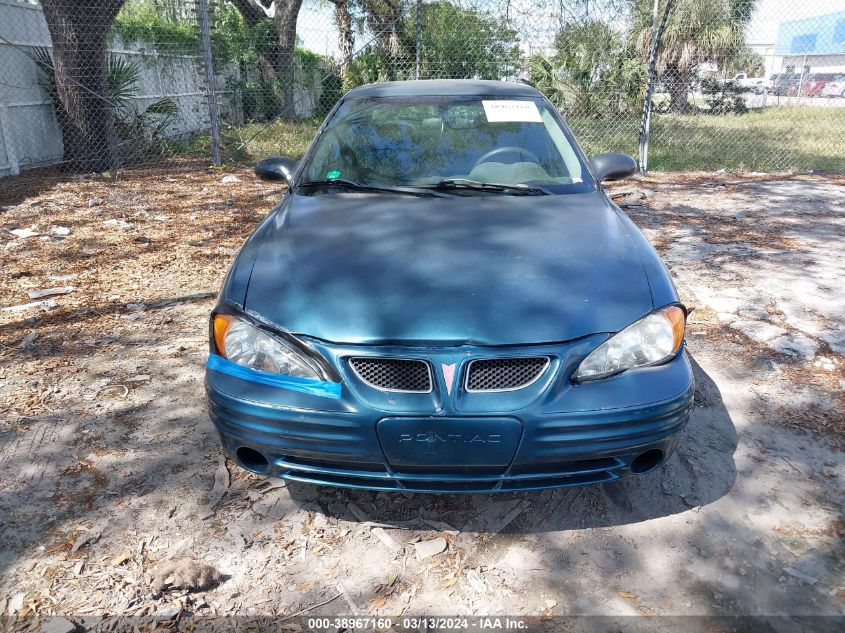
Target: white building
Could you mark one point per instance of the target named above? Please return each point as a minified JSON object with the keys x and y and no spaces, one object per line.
{"x":816,"y":43}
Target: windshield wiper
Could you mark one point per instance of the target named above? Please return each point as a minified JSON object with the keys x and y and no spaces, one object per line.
{"x":341,"y":183}
{"x":493,"y":187}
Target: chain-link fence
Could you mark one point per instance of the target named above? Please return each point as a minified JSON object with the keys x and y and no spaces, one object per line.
{"x":747,"y":85}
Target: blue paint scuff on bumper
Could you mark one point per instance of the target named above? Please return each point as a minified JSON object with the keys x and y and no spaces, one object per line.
{"x":321,"y":388}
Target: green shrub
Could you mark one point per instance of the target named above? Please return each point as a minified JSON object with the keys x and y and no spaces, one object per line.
{"x":724,"y":97}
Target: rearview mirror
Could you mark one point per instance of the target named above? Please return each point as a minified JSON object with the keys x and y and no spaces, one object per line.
{"x":276,"y":168}
{"x":612,"y":166}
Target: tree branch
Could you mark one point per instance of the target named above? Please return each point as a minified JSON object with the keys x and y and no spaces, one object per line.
{"x":252,"y":13}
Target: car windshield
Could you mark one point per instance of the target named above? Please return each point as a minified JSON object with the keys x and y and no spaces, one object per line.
{"x":422,"y":141}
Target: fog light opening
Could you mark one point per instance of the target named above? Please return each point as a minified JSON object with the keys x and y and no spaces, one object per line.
{"x":644,"y":462}
{"x":252,"y":460}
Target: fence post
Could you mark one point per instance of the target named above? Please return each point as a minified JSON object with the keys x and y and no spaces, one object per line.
{"x":801,"y":78}
{"x":418,"y":38}
{"x":210,"y":82}
{"x":645,"y":124}
{"x":8,"y":141}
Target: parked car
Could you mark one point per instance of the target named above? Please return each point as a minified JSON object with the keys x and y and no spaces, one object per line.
{"x":814,"y":84}
{"x":785,"y":84}
{"x":835,"y":87}
{"x":446,"y":300}
{"x":757,"y":85}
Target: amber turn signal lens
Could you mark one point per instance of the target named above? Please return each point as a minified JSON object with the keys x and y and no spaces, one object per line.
{"x":221,"y":326}
{"x":677,"y":318}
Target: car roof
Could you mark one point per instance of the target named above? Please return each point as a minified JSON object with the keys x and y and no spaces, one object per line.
{"x":444,"y":87}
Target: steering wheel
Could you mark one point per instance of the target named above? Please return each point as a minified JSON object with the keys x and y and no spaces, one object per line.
{"x":507,"y":150}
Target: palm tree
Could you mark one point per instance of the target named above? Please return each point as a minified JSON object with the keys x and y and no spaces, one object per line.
{"x":345,"y":24}
{"x":383,"y":18}
{"x":79,"y":35}
{"x":280,"y":59}
{"x":697,"y":31}
{"x":547,"y":77}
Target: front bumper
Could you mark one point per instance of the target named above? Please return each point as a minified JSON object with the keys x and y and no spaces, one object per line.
{"x":562,"y":434}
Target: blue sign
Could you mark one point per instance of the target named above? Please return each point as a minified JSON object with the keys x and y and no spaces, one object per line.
{"x":819,"y":35}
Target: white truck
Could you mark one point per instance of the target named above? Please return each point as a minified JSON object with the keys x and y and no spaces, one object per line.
{"x":757,"y":85}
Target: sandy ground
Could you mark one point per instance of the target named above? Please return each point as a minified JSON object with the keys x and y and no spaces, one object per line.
{"x":111,"y":469}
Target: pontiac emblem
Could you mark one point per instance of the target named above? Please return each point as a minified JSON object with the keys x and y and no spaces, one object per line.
{"x":448,"y":375}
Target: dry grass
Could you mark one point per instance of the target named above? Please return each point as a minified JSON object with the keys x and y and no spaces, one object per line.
{"x":250,"y":143}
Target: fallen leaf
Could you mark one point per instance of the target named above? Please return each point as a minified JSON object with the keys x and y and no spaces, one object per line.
{"x":47,"y":292}
{"x":432,"y":547}
{"x":121,"y":558}
{"x":385,"y":538}
{"x":475,"y":581}
{"x":185,"y":573}
{"x":24,"y":233}
{"x":796,"y":573}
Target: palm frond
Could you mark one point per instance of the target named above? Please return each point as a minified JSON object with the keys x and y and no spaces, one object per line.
{"x":165,"y":107}
{"x":47,"y":77}
{"x":697,"y":31}
{"x":123,"y":77}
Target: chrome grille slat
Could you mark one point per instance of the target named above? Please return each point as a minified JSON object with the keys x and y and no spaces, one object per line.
{"x":504,"y":374}
{"x":393,"y":374}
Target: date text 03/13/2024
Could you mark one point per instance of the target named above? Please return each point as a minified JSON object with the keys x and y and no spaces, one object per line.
{"x":416,"y":623}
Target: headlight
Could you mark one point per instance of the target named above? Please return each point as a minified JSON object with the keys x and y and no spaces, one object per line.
{"x":650,"y":341}
{"x":246,"y":345}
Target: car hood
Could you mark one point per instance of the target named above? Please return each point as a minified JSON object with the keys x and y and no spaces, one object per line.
{"x":485,"y":270}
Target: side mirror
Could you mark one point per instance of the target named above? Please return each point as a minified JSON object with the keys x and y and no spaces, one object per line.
{"x":613,"y":166}
{"x":276,"y":168}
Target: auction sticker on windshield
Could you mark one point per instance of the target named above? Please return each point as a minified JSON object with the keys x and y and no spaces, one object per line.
{"x":505,"y":111}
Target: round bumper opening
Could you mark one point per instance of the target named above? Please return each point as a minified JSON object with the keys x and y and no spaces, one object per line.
{"x":252,"y":460}
{"x":645,"y":462}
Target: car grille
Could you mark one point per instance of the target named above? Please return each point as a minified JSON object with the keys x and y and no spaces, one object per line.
{"x":393,"y":374}
{"x":504,"y":374}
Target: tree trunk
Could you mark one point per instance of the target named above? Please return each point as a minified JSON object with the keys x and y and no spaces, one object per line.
{"x":286,"y":16}
{"x":392,"y":37}
{"x":679,"y":81}
{"x":79,"y":31}
{"x":346,"y":38}
{"x":266,"y":51}
{"x":383,"y":19}
{"x":277,"y":60}
{"x":393,"y":50}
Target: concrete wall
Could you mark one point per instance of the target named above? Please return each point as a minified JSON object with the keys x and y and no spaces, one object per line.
{"x":29,"y":132}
